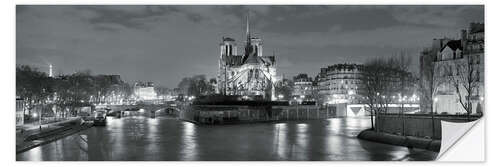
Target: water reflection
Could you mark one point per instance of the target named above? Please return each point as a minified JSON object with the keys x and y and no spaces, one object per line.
{"x":189,"y":146}
{"x":281,"y":142}
{"x":152,"y":150}
{"x":143,"y":138}
{"x":299,"y":149}
{"x":35,"y":154}
{"x":116,"y":126}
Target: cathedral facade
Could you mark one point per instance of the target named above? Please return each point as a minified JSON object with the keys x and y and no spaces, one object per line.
{"x":249,"y":74}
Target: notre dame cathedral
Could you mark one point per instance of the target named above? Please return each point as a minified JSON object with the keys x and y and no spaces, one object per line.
{"x":250,"y":74}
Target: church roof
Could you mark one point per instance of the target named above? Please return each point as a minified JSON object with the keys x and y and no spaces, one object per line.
{"x":253,"y":59}
{"x":453,"y":44}
{"x":228,"y":39}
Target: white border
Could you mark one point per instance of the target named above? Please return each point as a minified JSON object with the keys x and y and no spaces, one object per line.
{"x":254,"y":2}
{"x":8,"y":85}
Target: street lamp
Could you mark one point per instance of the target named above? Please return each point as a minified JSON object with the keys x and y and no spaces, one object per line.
{"x":435,"y":105}
{"x":40,"y":119}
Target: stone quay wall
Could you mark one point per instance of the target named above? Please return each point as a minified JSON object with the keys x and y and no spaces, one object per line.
{"x":228,"y":114}
{"x":418,"y":125}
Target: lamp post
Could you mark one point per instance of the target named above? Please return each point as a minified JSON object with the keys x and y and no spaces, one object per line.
{"x":40,"y":119}
{"x":435,"y":99}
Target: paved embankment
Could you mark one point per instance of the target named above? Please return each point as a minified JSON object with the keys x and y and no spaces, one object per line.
{"x":408,"y":141}
{"x":31,"y":138}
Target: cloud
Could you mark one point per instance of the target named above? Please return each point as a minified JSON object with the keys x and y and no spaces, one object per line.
{"x":441,"y":16}
{"x":124,"y":16}
{"x":136,"y":17}
{"x":165,"y":43}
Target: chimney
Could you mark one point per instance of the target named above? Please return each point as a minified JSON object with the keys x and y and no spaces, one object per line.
{"x":463,"y":35}
{"x":436,"y":44}
{"x":463,"y":39}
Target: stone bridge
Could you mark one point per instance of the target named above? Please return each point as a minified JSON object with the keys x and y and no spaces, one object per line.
{"x":170,"y":108}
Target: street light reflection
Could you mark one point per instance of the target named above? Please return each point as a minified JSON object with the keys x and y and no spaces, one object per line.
{"x":153,"y":136}
{"x":281,"y":142}
{"x":189,"y":142}
{"x":299,"y":150}
{"x":35,"y":154}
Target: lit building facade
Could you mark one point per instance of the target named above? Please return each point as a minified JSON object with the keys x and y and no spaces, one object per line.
{"x":339,"y":83}
{"x":248,"y":74}
{"x":145,"y":91}
{"x":302,"y":88}
{"x":454,"y":62}
{"x":19,"y":111}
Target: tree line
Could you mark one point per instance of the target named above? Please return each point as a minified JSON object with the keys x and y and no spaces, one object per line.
{"x":66,"y":91}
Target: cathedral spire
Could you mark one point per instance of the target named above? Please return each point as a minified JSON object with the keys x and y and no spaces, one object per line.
{"x":248,"y":28}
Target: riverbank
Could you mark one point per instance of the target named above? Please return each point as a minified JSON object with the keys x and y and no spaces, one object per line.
{"x":408,"y":141}
{"x":31,"y":137}
{"x":169,"y":139}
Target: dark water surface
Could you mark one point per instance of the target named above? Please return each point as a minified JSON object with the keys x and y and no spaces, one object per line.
{"x":142,"y":138}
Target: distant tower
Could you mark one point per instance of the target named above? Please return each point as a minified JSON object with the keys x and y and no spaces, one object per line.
{"x":50,"y":71}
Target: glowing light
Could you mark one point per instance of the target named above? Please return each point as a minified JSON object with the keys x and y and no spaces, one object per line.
{"x":435,"y":99}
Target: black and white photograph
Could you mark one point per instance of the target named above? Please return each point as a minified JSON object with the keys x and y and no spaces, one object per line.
{"x":245,"y":82}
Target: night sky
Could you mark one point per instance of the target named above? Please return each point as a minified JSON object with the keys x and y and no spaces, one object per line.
{"x":163,"y":44}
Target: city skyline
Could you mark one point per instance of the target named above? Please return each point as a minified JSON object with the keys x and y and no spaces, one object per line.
{"x":172,"y":42}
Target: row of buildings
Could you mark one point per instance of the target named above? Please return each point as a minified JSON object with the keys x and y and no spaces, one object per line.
{"x":251,"y":73}
{"x":338,"y":83}
{"x":451,"y":77}
{"x":452,"y":73}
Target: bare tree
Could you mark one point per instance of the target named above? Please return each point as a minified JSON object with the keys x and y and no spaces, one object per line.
{"x":374,"y":86}
{"x":382,"y":79}
{"x":405,"y":82}
{"x":196,"y":86}
{"x":465,"y":78}
{"x":34,"y":86}
{"x":431,"y":79}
